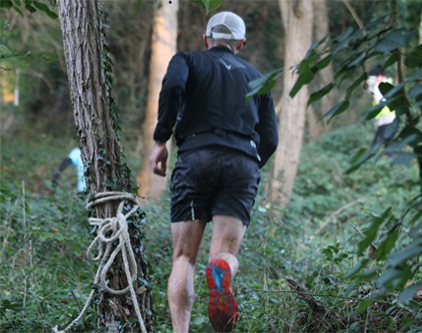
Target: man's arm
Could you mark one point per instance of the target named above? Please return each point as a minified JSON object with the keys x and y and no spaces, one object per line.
{"x":267,"y":129}
{"x":171,"y":96}
{"x":66,"y":162}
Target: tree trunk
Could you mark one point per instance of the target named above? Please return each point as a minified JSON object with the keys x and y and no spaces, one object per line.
{"x":420,"y":30}
{"x":316,"y":126}
{"x":101,"y":151}
{"x":163,"y":47}
{"x":293,"y":111}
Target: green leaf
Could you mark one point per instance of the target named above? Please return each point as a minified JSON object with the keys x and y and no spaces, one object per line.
{"x":211,"y":5}
{"x":6,"y":304}
{"x":340,"y":38}
{"x":74,"y":247}
{"x":368,"y":274}
{"x":408,"y":131}
{"x":407,"y":294}
{"x":385,"y":87}
{"x":395,"y":39}
{"x":414,"y":232}
{"x":356,"y":269}
{"x":404,"y":159}
{"x":313,"y":47}
{"x":415,"y":77}
{"x":375,"y":22}
{"x":6,"y":4}
{"x":397,"y":146}
{"x":30,"y":8}
{"x":387,"y":245}
{"x":372,"y":231}
{"x":199,"y":320}
{"x":390,"y":61}
{"x":414,"y":59}
{"x":320,"y":93}
{"x":46,"y":235}
{"x":363,"y":305}
{"x":50,"y":59}
{"x":356,"y":156}
{"x":357,"y":61}
{"x":337,"y":109}
{"x":361,"y":160}
{"x":17,"y":2}
{"x":52,"y":15}
{"x":394,"y":277}
{"x":4,"y":51}
{"x":18,"y":11}
{"x":415,"y":92}
{"x":263,"y":84}
{"x":355,"y":84}
{"x":413,"y":250}
{"x":303,"y":79}
{"x":373,"y":112}
{"x":44,"y":8}
{"x":323,"y":63}
{"x":344,"y":73}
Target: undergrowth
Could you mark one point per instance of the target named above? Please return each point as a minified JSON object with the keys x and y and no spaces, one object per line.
{"x":315,"y":241}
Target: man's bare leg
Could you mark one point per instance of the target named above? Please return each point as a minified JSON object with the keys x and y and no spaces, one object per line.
{"x":187,"y":238}
{"x":227,"y":235}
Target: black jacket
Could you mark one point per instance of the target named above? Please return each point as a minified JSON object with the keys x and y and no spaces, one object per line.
{"x":205,"y":92}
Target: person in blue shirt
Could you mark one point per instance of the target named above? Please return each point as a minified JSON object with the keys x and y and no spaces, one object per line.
{"x":74,"y":158}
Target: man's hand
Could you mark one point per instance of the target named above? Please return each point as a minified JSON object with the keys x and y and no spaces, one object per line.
{"x":158,"y":159}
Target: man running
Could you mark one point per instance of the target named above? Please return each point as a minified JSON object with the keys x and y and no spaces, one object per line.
{"x":222,"y":144}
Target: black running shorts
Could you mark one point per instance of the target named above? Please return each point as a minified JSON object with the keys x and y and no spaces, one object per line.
{"x":210,"y":182}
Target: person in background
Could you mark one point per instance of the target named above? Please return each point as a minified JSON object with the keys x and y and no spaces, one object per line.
{"x":222,"y":144}
{"x":74,"y":158}
{"x":386,"y":116}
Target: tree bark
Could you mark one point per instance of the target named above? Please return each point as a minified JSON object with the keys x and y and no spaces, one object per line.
{"x":420,"y":30}
{"x":317,"y":127}
{"x":101,"y":151}
{"x":163,"y":47}
{"x":293,"y":111}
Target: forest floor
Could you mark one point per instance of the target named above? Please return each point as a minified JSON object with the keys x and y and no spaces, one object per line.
{"x":44,"y":235}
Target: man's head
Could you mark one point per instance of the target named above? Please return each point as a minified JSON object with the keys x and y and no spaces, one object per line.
{"x":226,"y":29}
{"x":375,"y":77}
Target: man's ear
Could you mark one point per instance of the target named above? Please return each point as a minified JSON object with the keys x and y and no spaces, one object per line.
{"x":240,"y":44}
{"x":205,"y":40}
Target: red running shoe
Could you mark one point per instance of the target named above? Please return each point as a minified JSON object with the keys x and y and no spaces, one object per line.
{"x":222,"y":309}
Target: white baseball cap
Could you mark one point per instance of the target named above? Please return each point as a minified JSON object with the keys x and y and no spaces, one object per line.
{"x":231,"y":21}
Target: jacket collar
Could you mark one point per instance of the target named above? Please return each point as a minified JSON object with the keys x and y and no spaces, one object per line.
{"x":221,"y":48}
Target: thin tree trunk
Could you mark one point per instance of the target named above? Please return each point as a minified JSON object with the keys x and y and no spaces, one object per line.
{"x":163,"y":47}
{"x":293,"y":111}
{"x":101,"y":151}
{"x":321,"y":29}
{"x":420,"y":31}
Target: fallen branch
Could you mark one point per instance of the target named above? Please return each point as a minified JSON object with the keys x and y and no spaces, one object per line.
{"x":330,"y":218}
{"x":318,"y":320}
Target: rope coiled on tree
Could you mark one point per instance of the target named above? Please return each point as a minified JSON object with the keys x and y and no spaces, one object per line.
{"x":117,"y":229}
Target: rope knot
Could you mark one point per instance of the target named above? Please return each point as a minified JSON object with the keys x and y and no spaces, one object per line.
{"x":110,"y":230}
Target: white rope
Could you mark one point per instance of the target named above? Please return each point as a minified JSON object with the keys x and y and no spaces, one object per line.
{"x":118,"y":228}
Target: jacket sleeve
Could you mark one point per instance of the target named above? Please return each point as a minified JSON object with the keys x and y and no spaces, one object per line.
{"x":171,"y":96}
{"x":267,"y":128}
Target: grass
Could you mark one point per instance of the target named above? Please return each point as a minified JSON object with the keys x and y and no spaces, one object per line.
{"x":314,"y":241}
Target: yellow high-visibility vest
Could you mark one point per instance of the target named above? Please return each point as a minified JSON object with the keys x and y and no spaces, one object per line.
{"x":384,"y":111}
